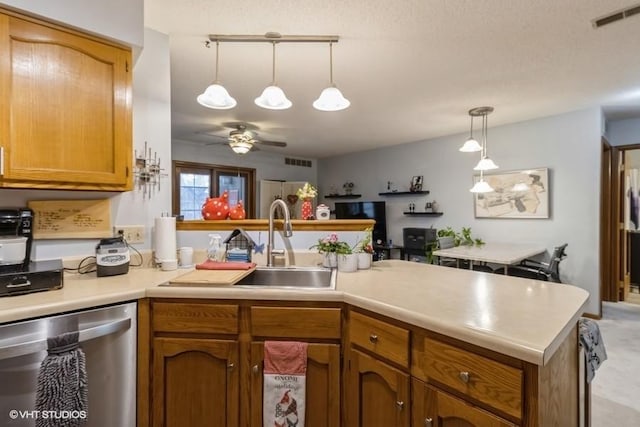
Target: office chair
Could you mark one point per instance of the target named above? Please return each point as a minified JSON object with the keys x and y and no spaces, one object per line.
{"x":532,"y":269}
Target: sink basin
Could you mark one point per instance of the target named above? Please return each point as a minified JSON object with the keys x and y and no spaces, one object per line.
{"x":291,"y":277}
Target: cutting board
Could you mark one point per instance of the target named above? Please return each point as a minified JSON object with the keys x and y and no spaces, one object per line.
{"x":211,"y":277}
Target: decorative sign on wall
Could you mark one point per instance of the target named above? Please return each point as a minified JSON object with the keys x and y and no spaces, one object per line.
{"x":71,"y":219}
{"x":516,"y":194}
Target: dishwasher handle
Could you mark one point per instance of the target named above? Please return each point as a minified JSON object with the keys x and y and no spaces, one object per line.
{"x":31,"y":347}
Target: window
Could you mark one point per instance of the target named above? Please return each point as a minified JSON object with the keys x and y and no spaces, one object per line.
{"x":194,"y":182}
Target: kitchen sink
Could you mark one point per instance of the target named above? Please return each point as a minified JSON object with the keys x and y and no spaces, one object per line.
{"x":291,"y":277}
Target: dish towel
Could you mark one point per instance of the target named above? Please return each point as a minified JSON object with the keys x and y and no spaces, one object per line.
{"x":594,"y":351}
{"x":285,"y":372}
{"x":217,"y":265}
{"x":62,"y":382}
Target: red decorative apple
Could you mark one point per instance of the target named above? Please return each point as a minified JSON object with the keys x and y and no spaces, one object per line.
{"x":216,"y":207}
{"x":237,"y":212}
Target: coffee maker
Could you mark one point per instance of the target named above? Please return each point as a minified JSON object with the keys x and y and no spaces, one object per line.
{"x":17,"y":223}
{"x":18,"y":273}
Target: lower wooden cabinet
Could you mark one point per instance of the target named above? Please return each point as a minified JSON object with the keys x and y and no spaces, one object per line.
{"x":195,"y":382}
{"x":378,"y":394}
{"x":434,"y":408}
{"x":323,"y":385}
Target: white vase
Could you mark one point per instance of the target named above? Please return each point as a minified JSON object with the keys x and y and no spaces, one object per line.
{"x":348,"y":263}
{"x":364,"y":261}
{"x":330,"y":259}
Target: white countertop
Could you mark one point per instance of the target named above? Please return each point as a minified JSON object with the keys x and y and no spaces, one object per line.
{"x":522,"y":318}
{"x":498,"y":253}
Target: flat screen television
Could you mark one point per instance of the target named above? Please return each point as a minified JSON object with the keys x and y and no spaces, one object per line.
{"x":365,"y":210}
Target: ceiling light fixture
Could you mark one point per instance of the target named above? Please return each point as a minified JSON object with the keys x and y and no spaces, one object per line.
{"x":485,"y":162}
{"x":273,"y":98}
{"x":471,"y":145}
{"x":240,"y":146}
{"x":216,"y":96}
{"x":331,"y":99}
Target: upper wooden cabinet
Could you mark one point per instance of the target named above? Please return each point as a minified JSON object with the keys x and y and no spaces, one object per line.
{"x":65,"y":116}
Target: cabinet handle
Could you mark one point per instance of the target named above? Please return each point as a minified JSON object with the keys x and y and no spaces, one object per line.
{"x":373,"y":338}
{"x":428,"y":422}
{"x":230,"y":366}
{"x":255,"y":369}
{"x":464,"y":376}
{"x":400,"y":405}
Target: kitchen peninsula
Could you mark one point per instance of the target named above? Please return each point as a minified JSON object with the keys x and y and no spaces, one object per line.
{"x":464,"y":344}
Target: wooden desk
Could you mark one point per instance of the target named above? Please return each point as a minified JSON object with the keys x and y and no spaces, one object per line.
{"x":496,"y":253}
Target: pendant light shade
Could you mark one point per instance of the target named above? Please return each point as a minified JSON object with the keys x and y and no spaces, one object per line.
{"x":485,"y":164}
{"x":471,"y":145}
{"x":481,"y":186}
{"x":216,"y":96}
{"x":331,"y":99}
{"x":273,"y":98}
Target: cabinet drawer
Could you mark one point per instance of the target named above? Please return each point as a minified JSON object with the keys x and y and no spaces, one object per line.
{"x":198,"y":318}
{"x":295,"y":322}
{"x":388,"y":341}
{"x":483,"y":379}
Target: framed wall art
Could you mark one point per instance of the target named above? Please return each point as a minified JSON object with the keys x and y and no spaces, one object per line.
{"x":516,"y":194}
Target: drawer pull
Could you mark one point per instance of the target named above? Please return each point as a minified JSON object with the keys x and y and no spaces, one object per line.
{"x":464,"y":376}
{"x":400,"y":405}
{"x":255,"y":369}
{"x":373,"y":338}
{"x":230,"y":366}
{"x":428,"y":422}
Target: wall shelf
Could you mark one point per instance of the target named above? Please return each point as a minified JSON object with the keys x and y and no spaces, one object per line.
{"x":343,"y":196}
{"x":423,"y":213}
{"x":403,"y":193}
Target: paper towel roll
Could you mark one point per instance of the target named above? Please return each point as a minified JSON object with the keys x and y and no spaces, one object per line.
{"x":165,"y":239}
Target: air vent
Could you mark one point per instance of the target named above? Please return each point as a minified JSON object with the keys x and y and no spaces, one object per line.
{"x":297,"y":162}
{"x":616,"y":16}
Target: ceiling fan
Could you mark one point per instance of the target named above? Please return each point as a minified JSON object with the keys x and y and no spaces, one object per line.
{"x":242,"y":140}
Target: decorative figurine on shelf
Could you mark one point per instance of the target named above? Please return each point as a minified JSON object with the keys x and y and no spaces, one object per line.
{"x":216,"y":207}
{"x":416,"y":183}
{"x":348,"y":187}
{"x":435,"y":207}
{"x":237,"y":212}
{"x":307,"y":193}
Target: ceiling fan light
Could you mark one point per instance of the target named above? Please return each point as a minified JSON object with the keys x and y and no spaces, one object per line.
{"x":331,"y":99}
{"x":481,"y":187}
{"x":485,"y":164}
{"x":216,"y":97}
{"x":471,"y":146}
{"x":273,"y":98}
{"x":240,"y":146}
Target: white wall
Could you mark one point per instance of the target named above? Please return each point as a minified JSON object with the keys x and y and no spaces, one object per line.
{"x":568,"y":144}
{"x":623,"y":132}
{"x":152,"y":123}
{"x":119,"y":20}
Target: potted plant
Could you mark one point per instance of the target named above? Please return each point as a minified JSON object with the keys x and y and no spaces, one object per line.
{"x":330,"y":247}
{"x":463,"y":238}
{"x":364,"y":250}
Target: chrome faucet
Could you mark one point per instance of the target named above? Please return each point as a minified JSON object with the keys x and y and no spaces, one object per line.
{"x":288,"y":231}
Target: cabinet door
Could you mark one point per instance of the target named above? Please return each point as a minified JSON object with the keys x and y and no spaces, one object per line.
{"x":195,"y":382}
{"x":434,"y":408}
{"x":65,"y":116}
{"x":377,"y":395}
{"x":323,"y":385}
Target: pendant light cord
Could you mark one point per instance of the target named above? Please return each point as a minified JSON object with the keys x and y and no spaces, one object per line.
{"x":331,"y":63}
{"x":273,"y":70}
{"x":471,"y":130}
{"x":484,"y":136}
{"x":217,"y":48}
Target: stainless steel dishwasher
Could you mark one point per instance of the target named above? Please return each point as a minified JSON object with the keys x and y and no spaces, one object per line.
{"x":108,"y":338}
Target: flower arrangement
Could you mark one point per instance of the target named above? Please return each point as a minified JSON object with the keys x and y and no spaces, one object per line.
{"x":331,"y":244}
{"x":307,"y":191}
{"x":365,"y":244}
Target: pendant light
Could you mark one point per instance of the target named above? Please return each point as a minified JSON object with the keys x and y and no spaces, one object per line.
{"x":240,"y":146}
{"x":273,"y":98}
{"x":481,"y":186}
{"x":485,"y":162}
{"x":216,"y":96}
{"x":331,"y":99}
{"x":471,"y":145}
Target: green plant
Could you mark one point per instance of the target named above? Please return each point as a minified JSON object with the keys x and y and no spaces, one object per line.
{"x":332,"y":244}
{"x":365,"y":245}
{"x":463,"y":238}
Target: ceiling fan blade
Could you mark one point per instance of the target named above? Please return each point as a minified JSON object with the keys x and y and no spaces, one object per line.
{"x":271,"y":143}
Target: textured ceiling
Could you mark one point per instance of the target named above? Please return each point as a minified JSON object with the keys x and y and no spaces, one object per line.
{"x":411,"y":69}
